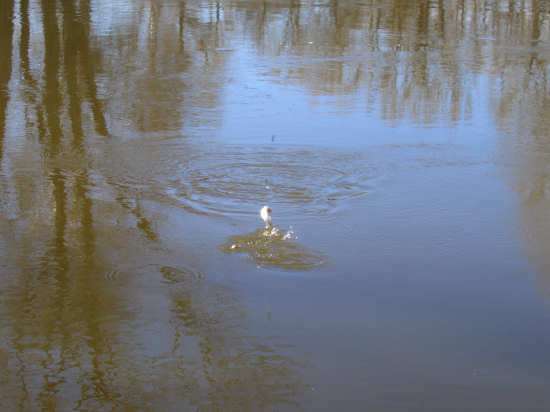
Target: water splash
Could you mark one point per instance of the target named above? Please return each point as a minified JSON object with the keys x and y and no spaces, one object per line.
{"x":274,"y":248}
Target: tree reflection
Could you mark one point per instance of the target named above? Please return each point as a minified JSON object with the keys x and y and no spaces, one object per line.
{"x":409,"y":58}
{"x":71,"y":312}
{"x":6,"y":33}
{"x":216,"y":363}
{"x":79,"y":219}
{"x":520,"y":104}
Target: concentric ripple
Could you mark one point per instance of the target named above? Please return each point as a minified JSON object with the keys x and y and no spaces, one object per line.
{"x":236,"y":182}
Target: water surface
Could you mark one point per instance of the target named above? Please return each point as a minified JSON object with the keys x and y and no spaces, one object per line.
{"x":404,"y":149}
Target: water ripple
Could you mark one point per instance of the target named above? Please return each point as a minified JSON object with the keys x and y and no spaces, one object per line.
{"x":304,"y":182}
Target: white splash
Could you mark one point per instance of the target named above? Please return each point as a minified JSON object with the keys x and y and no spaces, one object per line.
{"x":273,"y":231}
{"x":265,"y":214}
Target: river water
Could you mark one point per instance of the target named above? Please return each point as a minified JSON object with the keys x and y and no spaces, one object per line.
{"x":403,"y":146}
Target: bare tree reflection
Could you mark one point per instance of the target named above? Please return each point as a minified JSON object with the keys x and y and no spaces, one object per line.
{"x":521,"y":104}
{"x":31,"y":85}
{"x":100,"y":103}
{"x":224,"y":370}
{"x":6,"y":40}
{"x":391,"y":50}
{"x":70,"y":308}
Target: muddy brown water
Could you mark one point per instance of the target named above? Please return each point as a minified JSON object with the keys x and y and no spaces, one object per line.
{"x":402,"y":145}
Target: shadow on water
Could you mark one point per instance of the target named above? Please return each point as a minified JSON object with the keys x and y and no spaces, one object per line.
{"x":274,"y":248}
